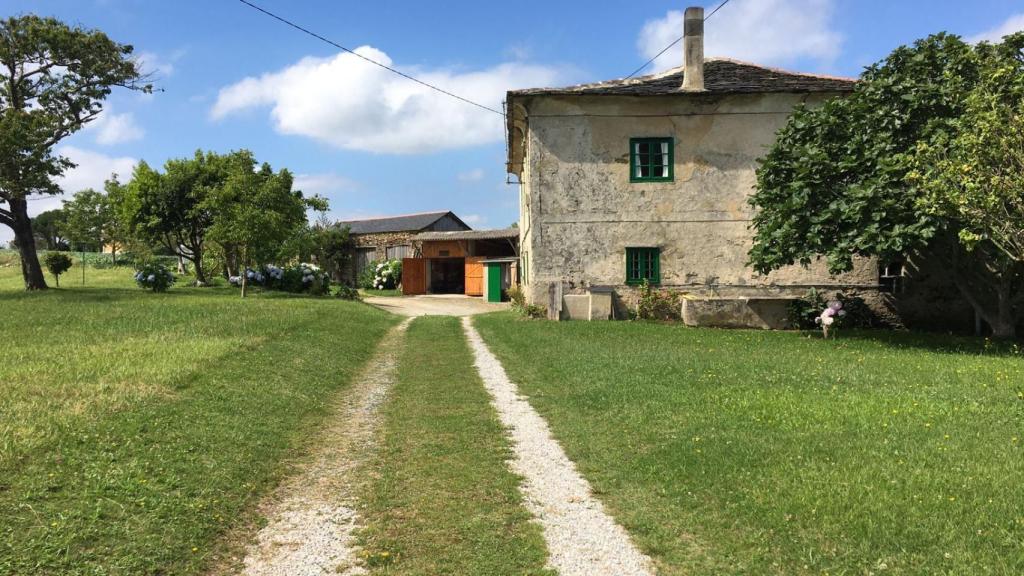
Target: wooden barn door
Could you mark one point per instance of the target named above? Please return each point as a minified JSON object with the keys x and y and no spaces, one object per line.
{"x":414,"y":276}
{"x":474,"y":276}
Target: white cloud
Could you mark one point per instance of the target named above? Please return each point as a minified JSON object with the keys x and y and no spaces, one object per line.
{"x":152,"y":63}
{"x":471,"y":175}
{"x":323,"y":184}
{"x":352,"y":104}
{"x":1012,"y":24}
{"x":92,"y":170}
{"x":474,"y":219}
{"x":773,"y":32}
{"x":518,"y":51}
{"x":111,"y":128}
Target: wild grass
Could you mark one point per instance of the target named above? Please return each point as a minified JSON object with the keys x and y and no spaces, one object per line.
{"x":441,"y":499}
{"x":743,"y":452}
{"x":137,"y":428}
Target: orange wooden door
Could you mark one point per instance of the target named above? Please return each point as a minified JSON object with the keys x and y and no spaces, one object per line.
{"x":414,"y":276}
{"x":474,"y":276}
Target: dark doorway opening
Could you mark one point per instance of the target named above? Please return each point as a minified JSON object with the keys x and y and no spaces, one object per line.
{"x":447,"y":275}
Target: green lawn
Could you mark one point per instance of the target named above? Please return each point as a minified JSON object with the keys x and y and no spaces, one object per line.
{"x":136,"y":429}
{"x":745,"y":452}
{"x":442,"y":500}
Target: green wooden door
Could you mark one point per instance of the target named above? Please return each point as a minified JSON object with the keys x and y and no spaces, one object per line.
{"x":494,"y":283}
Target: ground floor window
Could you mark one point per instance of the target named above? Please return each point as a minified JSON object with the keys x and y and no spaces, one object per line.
{"x":643,"y":264}
{"x":397,"y":252}
{"x":363,"y":258}
{"x":890,"y":277}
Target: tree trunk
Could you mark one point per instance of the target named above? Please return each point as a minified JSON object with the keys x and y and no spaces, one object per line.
{"x":245,"y":276}
{"x":978,"y":290}
{"x":181,"y":266}
{"x":1002,"y":318}
{"x":197,"y":263}
{"x":1004,"y":324}
{"x":31,"y":271}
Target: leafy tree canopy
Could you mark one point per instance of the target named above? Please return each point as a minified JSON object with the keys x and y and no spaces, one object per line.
{"x":171,"y":208}
{"x":256,"y":211}
{"x":51,"y":228}
{"x":854,"y":177}
{"x":57,"y":263}
{"x":247,"y":211}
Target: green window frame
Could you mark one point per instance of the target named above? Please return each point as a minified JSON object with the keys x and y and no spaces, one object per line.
{"x":651,"y":159}
{"x":643,"y":264}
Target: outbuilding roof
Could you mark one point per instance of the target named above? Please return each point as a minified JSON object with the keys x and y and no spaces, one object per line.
{"x":469,"y":235}
{"x":721,"y":76}
{"x":402,"y":223}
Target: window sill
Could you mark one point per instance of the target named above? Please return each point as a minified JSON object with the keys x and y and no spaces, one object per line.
{"x":650,"y":180}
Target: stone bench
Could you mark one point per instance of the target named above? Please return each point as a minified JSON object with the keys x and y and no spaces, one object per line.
{"x":764,"y":313}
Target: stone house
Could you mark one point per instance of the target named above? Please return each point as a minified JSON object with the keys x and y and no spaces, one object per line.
{"x":648,"y":179}
{"x":391,"y":237}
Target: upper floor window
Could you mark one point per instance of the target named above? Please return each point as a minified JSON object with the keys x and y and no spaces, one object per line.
{"x":650,"y":159}
{"x":643,"y":264}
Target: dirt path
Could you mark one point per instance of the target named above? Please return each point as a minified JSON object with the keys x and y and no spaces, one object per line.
{"x":435,"y":305}
{"x":582,"y":539}
{"x":312,"y":516}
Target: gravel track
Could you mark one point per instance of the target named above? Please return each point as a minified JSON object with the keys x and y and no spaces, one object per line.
{"x":582,"y":539}
{"x":312,"y":516}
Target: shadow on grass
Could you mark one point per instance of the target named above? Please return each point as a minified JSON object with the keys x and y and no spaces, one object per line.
{"x":89,"y":294}
{"x":104,"y":294}
{"x":935,"y":342}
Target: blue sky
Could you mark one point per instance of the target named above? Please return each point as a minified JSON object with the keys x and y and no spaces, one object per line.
{"x":377,"y":144}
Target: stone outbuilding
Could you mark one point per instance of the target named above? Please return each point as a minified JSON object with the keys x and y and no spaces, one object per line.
{"x":390,"y":237}
{"x":647,"y":179}
{"x":471,"y":262}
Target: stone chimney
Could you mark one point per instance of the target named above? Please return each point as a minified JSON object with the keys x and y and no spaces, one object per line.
{"x":693,"y":49}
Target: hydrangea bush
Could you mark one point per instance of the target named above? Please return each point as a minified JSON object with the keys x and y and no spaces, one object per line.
{"x":298,"y":278}
{"x":387,"y":275}
{"x":830,"y":316}
{"x":155,"y":277}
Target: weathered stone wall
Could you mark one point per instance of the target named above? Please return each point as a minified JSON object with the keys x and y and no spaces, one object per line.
{"x":379,"y":242}
{"x":382,"y":241}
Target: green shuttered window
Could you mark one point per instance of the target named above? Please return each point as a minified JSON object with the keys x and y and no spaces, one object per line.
{"x":650,"y":159}
{"x":643,"y":264}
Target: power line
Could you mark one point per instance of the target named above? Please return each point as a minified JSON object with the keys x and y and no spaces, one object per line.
{"x":674,"y":42}
{"x":370,"y":60}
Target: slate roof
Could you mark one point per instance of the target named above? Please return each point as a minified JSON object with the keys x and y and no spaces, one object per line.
{"x":470,"y":234}
{"x":403,"y":223}
{"x":721,"y":76}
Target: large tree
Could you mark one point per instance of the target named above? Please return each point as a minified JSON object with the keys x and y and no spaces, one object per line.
{"x":171,"y":209}
{"x":53,"y":79}
{"x":256,"y":211}
{"x":324,"y":242}
{"x":93,"y":218}
{"x":50,"y":228}
{"x":845,"y":179}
